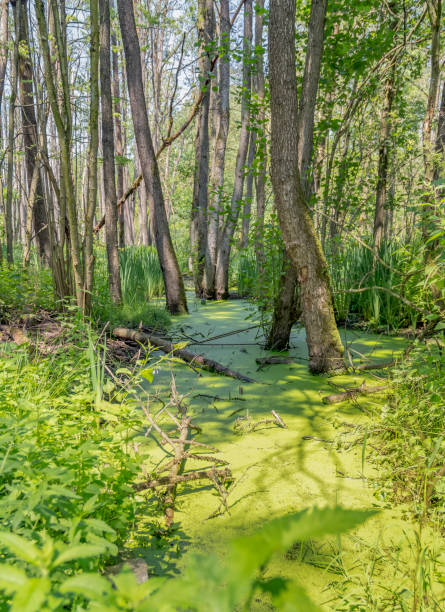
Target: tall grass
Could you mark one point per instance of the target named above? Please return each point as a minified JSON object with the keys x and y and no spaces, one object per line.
{"x":354,"y":268}
{"x":142,"y":283}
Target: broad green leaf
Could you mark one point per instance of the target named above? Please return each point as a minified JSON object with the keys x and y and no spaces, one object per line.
{"x":31,"y":597}
{"x":81,"y":551}
{"x":147,"y":374}
{"x":11,"y":578}
{"x":91,"y":586}
{"x":20,"y":547}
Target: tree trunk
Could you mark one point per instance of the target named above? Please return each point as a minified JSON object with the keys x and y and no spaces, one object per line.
{"x":4,"y":4}
{"x":305,"y":138}
{"x":286,"y":311}
{"x":110,"y":198}
{"x":228,"y":230}
{"x":174,"y":285}
{"x":11,"y":125}
{"x":384,"y":148}
{"x":92,"y":154}
{"x":221,"y":118}
{"x":260,"y":179}
{"x":249,"y":193}
{"x":435,"y":15}
{"x":201,"y":176}
{"x":118,"y":140}
{"x":302,"y":244}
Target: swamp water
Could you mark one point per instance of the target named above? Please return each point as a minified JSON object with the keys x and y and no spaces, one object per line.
{"x":320,"y":459}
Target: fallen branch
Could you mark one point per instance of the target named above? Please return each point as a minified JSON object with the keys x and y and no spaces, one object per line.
{"x":187,"y":356}
{"x":374,"y":366}
{"x":351,"y":393}
{"x":223,"y":475}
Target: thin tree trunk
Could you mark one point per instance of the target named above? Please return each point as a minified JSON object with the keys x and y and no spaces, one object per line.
{"x":249,"y":193}
{"x":61,"y":110}
{"x":93,"y":129}
{"x":30,"y":136}
{"x":302,"y":245}
{"x":228,"y":230}
{"x":201,"y":176}
{"x":110,"y":198}
{"x":118,"y":140}
{"x":174,"y":285}
{"x":3,"y":45}
{"x":11,"y":126}
{"x":380,"y":213}
{"x":435,"y":15}
{"x":260,"y":180}
{"x":221,"y":118}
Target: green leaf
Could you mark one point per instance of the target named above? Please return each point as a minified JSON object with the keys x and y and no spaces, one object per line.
{"x":11,"y":578}
{"x":81,"y":551}
{"x":20,"y":547}
{"x":440,"y":325}
{"x":147,"y":374}
{"x":91,"y":586}
{"x":31,"y":596}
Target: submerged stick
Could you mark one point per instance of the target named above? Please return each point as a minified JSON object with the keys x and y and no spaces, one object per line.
{"x":184,"y":354}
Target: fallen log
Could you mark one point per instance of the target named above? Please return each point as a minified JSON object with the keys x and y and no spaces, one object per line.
{"x":274,"y":359}
{"x":168,"y":347}
{"x":352,"y":393}
{"x":222,"y":475}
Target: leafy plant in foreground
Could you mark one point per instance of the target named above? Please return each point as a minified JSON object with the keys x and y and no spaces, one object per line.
{"x":207,"y":583}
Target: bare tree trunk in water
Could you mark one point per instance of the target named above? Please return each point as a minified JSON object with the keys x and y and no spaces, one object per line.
{"x":384,"y":148}
{"x":221,"y":118}
{"x":114,"y":278}
{"x":279,"y":336}
{"x":228,"y":230}
{"x":302,"y":244}
{"x":249,"y":193}
{"x":174,"y":284}
{"x":198,"y":221}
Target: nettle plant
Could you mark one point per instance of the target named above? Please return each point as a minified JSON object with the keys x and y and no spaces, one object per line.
{"x":44,"y":578}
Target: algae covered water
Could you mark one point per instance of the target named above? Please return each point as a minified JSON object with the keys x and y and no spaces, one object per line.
{"x":320,"y":458}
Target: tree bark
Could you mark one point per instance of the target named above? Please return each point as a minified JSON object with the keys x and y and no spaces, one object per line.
{"x":221,"y":117}
{"x":201,"y":175}
{"x":286,"y":306}
{"x":302,"y":244}
{"x":118,"y":140}
{"x":380,"y":213}
{"x":173,"y":282}
{"x":92,"y":154}
{"x":228,"y":230}
{"x":249,"y":193}
{"x":114,"y":279}
{"x":3,"y":44}
{"x":435,"y":15}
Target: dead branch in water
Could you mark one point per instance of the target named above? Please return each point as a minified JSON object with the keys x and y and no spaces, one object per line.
{"x":184,"y":354}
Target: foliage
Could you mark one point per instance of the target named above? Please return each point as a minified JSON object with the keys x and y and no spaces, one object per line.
{"x":35,"y":580}
{"x":142,"y":283}
{"x":25,"y":289}
{"x":411,"y":429}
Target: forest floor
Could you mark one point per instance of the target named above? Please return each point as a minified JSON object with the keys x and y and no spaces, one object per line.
{"x":321,"y":458}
